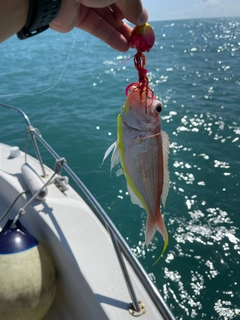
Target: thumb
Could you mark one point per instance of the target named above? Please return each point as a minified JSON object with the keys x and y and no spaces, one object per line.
{"x":133,"y":11}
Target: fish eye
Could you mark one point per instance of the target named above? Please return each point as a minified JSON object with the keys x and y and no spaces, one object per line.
{"x":159,"y":107}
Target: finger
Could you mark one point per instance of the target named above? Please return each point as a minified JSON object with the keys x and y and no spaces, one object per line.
{"x":114,"y":17}
{"x":114,"y":33}
{"x":133,"y":11}
{"x":111,"y":14}
{"x":117,"y":12}
{"x":66,"y":18}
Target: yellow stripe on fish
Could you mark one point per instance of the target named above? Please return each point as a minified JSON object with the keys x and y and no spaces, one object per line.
{"x":133,"y":190}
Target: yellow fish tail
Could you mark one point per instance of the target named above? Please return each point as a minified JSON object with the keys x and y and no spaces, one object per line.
{"x":153,"y":224}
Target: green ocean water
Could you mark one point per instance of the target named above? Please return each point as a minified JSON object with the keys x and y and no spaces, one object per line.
{"x":194,"y":69}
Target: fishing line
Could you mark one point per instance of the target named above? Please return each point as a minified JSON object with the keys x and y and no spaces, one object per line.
{"x":50,"y":88}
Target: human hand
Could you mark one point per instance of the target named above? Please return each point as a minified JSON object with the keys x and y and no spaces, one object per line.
{"x":102,"y":19}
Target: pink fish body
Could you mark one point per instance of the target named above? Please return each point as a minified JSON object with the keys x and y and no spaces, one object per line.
{"x":142,"y":148}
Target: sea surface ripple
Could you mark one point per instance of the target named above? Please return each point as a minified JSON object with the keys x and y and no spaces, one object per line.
{"x":194,"y":70}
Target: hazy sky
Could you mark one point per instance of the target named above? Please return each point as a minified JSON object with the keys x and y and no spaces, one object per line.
{"x":187,"y":9}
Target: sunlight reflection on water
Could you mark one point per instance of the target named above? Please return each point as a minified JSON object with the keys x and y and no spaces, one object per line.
{"x":194,"y":71}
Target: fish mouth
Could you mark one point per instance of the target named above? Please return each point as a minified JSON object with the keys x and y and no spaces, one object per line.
{"x":146,"y":94}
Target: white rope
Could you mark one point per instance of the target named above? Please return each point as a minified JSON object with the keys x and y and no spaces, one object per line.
{"x":21,"y":212}
{"x":12,"y":204}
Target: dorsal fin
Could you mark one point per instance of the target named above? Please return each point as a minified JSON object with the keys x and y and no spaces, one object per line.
{"x":166,"y":178}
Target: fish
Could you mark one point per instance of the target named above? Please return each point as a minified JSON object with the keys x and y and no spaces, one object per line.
{"x":142,"y":149}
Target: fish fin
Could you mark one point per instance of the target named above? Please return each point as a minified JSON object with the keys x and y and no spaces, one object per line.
{"x":133,"y":197}
{"x":115,"y":155}
{"x":166,"y":178}
{"x":154,"y":224}
{"x":119,"y":172}
{"x":109,"y":150}
{"x":115,"y":159}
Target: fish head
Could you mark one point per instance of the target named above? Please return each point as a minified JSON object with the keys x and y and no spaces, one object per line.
{"x":142,"y":109}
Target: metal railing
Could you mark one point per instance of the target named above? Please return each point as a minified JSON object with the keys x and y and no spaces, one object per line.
{"x":119,"y":243}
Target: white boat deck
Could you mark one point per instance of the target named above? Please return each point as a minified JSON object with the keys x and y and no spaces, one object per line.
{"x":90,"y":282}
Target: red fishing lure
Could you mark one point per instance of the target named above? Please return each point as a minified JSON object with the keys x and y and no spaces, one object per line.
{"x":142,"y":38}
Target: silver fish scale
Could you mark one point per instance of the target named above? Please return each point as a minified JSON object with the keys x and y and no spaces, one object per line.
{"x":142,"y":159}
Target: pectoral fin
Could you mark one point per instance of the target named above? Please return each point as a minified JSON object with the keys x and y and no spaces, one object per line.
{"x":115,"y":159}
